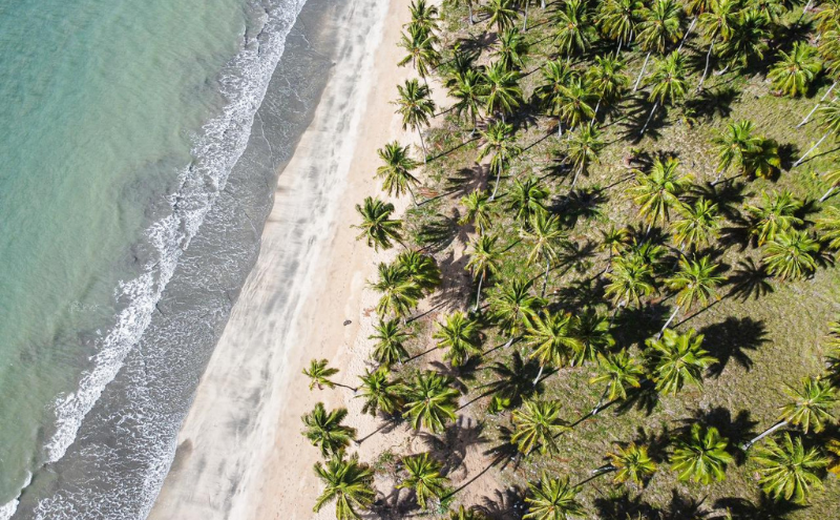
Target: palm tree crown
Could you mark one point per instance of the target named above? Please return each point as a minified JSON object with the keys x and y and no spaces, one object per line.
{"x":552,"y":499}
{"x":349,"y":483}
{"x":678,"y":359}
{"x":701,"y":456}
{"x":390,"y":342}
{"x":658,"y":190}
{"x":377,"y":226}
{"x":632,"y":463}
{"x":460,"y":335}
{"x":324,"y":430}
{"x":788,"y":470}
{"x":536,"y":424}
{"x":396,"y":171}
{"x":424,"y":477}
{"x":430,"y":401}
{"x":809,"y":405}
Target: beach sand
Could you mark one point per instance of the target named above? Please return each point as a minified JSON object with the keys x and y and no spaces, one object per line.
{"x":240,"y":453}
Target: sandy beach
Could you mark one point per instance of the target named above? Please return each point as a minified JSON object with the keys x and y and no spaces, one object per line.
{"x":240,"y":453}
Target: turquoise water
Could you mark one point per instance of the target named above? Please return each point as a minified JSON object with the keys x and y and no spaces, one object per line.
{"x":120,"y":121}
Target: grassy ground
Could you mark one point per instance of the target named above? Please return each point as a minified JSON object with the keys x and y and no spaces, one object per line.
{"x":763,"y":340}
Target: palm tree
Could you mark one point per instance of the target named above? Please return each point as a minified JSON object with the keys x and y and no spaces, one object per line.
{"x":620,"y":371}
{"x":501,"y":13}
{"x":702,"y":455}
{"x":424,"y":15}
{"x":553,"y":340}
{"x":809,"y":406}
{"x":500,"y":146}
{"x":574,"y":103}
{"x":619,"y":18}
{"x":734,"y":145}
{"x":526,"y":198}
{"x":555,"y":76}
{"x":765,"y":160}
{"x":661,"y":26}
{"x":544,"y":235}
{"x":416,"y":107}
{"x":324,"y":430}
{"x":789,"y":471}
{"x":629,"y":280}
{"x":460,"y":335}
{"x":467,"y":89}
{"x":832,"y":178}
{"x":631,"y":463}
{"x":775,"y":214}
{"x":678,"y":359}
{"x":501,"y":92}
{"x":794,"y":73}
{"x":380,"y":392}
{"x":574,"y":27}
{"x":831,"y":122}
{"x":658,"y":190}
{"x":791,"y":254}
{"x":512,"y":49}
{"x":396,"y":171}
{"x":552,"y":499}
{"x":716,"y":24}
{"x":478,"y":206}
{"x":669,"y":84}
{"x":400,"y":294}
{"x":536,"y":424}
{"x":349,"y":483}
{"x":390,"y":342}
{"x":593,"y":333}
{"x":421,"y":269}
{"x":377,"y":225}
{"x":319,"y":373}
{"x":695,"y":281}
{"x":828,"y":227}
{"x":698,"y":224}
{"x":424,"y":477}
{"x":747,"y":40}
{"x":607,"y":79}
{"x":430,"y":401}
{"x":484,"y":261}
{"x":457,"y":3}
{"x":583,"y":148}
{"x":513,"y":306}
{"x":419,"y":44}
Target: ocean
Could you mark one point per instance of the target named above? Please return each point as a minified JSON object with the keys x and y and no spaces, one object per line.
{"x":137,"y":172}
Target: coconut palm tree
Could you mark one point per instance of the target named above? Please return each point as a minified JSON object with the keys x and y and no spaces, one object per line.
{"x":677,"y":359}
{"x":536,"y":424}
{"x":694,"y":282}
{"x":794,"y":73}
{"x":583,"y":148}
{"x":500,"y":146}
{"x":526,"y":198}
{"x":830,"y":113}
{"x":669,"y":83}
{"x":775,"y":214}
{"x":513,"y":49}
{"x":478,"y":210}
{"x":430,"y":401}
{"x":748,"y":39}
{"x":618,"y":20}
{"x":396,"y":171}
{"x":555,"y":75}
{"x":607,"y":80}
{"x":553,"y":340}
{"x":324,"y":430}
{"x":501,"y":13}
{"x":501,"y":93}
{"x":513,"y":306}
{"x":545,"y":236}
{"x":620,"y":371}
{"x":552,"y":499}
{"x":697,"y":225}
{"x":380,"y":392}
{"x":716,"y":24}
{"x":460,"y":335}
{"x":400,"y":294}
{"x":631,"y":463}
{"x":788,"y":470}
{"x":831,"y":178}
{"x":319,"y":374}
{"x":701,"y":455}
{"x":425,"y":478}
{"x":828,"y":227}
{"x":377,"y":226}
{"x":575,"y":102}
{"x":347,"y":482}
{"x":419,"y":44}
{"x":390,"y":342}
{"x":467,"y":89}
{"x":574,"y":27}
{"x":484,"y":261}
{"x":791,"y":254}
{"x":734,"y":144}
{"x":593,"y":332}
{"x":457,"y":3}
{"x":629,"y":280}
{"x":424,"y":15}
{"x":661,"y":26}
{"x":416,"y":108}
{"x":421,"y":269}
{"x":765,"y":160}
{"x":657,"y":191}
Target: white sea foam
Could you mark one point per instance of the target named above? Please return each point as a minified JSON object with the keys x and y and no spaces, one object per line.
{"x":222,"y":143}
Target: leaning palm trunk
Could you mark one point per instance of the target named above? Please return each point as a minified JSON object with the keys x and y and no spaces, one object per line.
{"x":673,"y":315}
{"x":496,"y":187}
{"x":826,"y":194}
{"x":577,"y":172}
{"x":749,"y":444}
{"x":817,"y":105}
{"x":708,"y":60}
{"x":559,"y":128}
{"x":469,"y":6}
{"x":545,"y":277}
{"x":642,"y":72}
{"x":525,"y":21}
{"x":797,"y":163}
{"x":478,"y":293}
{"x":597,"y":107}
{"x":600,"y":403}
{"x":422,"y":143}
{"x":413,"y":197}
{"x":652,"y":110}
{"x":539,"y":375}
{"x":690,"y":27}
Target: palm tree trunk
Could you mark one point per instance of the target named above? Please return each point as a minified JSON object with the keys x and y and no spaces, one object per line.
{"x":545,"y":277}
{"x":559,"y":128}
{"x":539,"y":375}
{"x":690,"y":27}
{"x":641,"y":73}
{"x":829,"y":192}
{"x":348,"y":387}
{"x":749,"y":444}
{"x":478,"y":292}
{"x":413,"y":197}
{"x":673,"y":315}
{"x":595,"y":115}
{"x":422,"y":143}
{"x":600,"y":403}
{"x":496,"y":187}
{"x":797,"y":163}
{"x":469,"y":6}
{"x":652,"y":110}
{"x":574,"y":180}
{"x":618,"y":49}
{"x":708,"y":60}
{"x":542,"y":4}
{"x":817,"y":105}
{"x":525,"y":21}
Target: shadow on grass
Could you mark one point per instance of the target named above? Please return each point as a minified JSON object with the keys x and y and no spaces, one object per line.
{"x":731,"y":340}
{"x":451,"y":447}
{"x":764,"y":509}
{"x":738,"y":429}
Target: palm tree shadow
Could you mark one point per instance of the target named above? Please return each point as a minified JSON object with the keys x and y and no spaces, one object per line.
{"x":580,"y":203}
{"x":731,"y":339}
{"x":466,"y":180}
{"x":460,"y":374}
{"x":637,"y":115}
{"x":515,"y":380}
{"x":681,"y":507}
{"x":437,"y":234}
{"x":644,"y":399}
{"x":765,"y":509}
{"x":749,"y":280}
{"x":635,"y":325}
{"x":729,"y":197}
{"x":452,"y":446}
{"x":456,"y":288}
{"x":478,"y":42}
{"x":714,"y":102}
{"x":657,"y":443}
{"x":582,"y":293}
{"x":738,"y":430}
{"x":505,"y":452}
{"x":788,"y":154}
{"x":507,"y":504}
{"x":619,"y":505}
